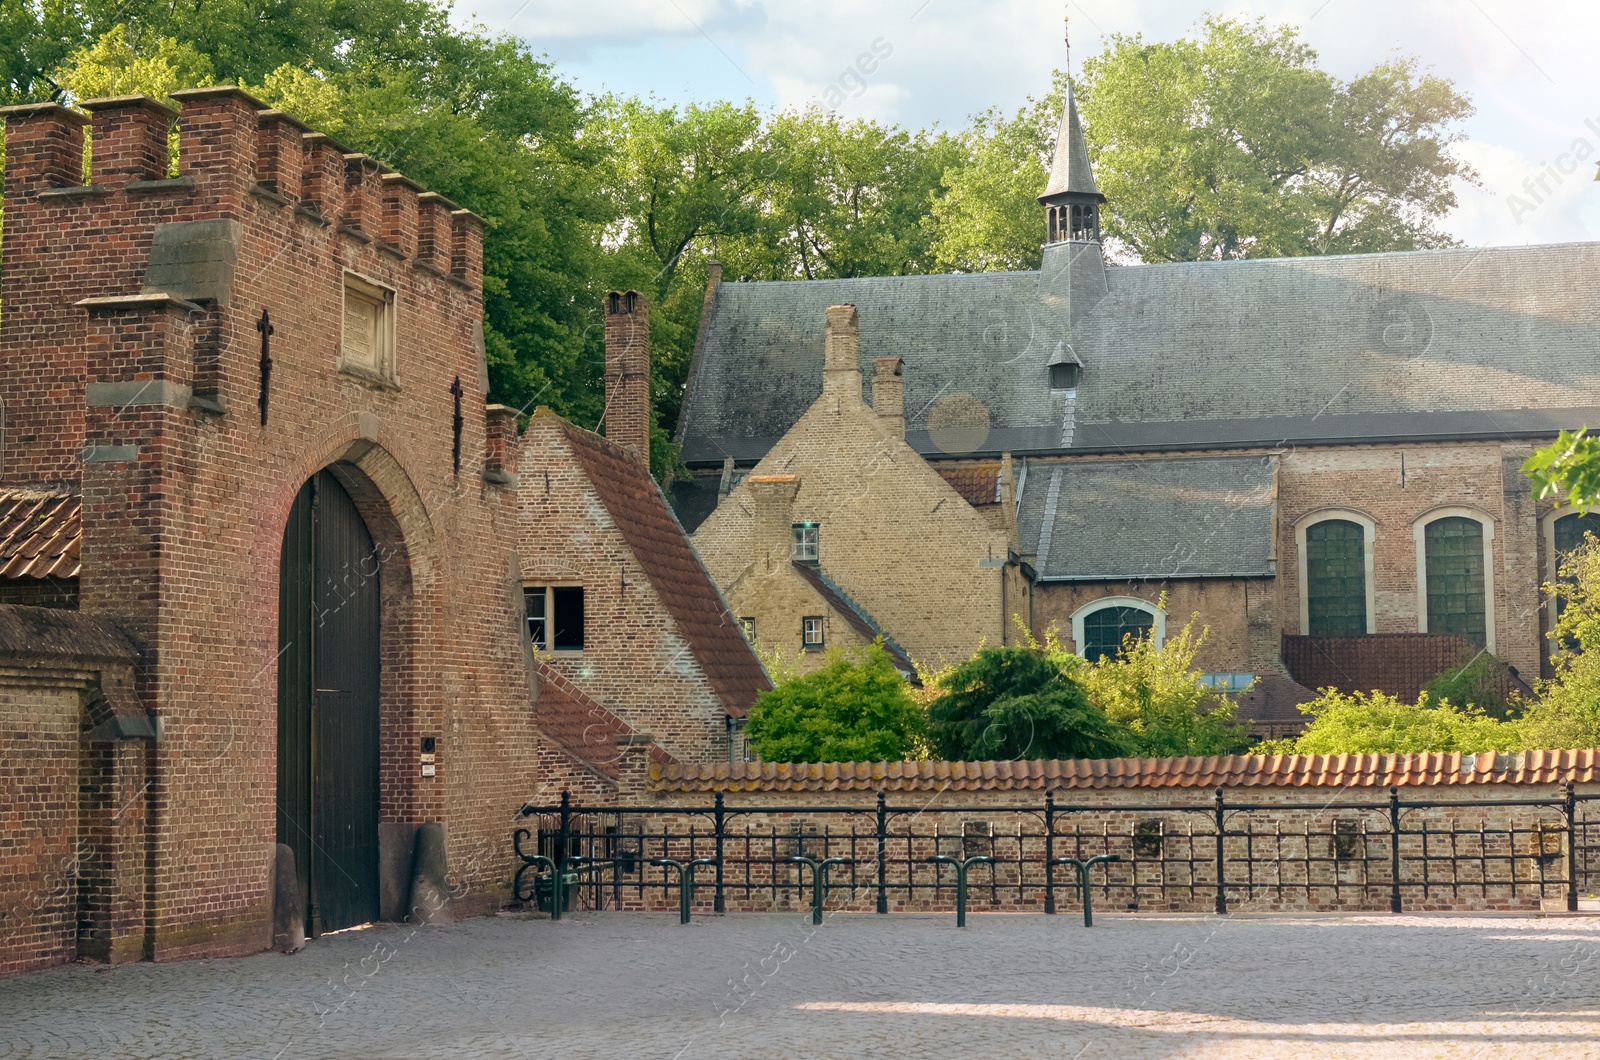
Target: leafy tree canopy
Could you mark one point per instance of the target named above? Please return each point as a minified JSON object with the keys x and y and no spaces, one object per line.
{"x":1023,"y":701}
{"x":856,"y":708}
{"x":1156,"y":695}
{"x":1377,"y":723}
{"x":1236,"y":145}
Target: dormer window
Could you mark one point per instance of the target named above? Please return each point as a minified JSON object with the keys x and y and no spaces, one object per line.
{"x":805,"y":542}
{"x":1065,"y":368}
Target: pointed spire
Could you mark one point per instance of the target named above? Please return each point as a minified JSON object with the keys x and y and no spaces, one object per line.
{"x":1070,"y":199}
{"x":1070,"y":171}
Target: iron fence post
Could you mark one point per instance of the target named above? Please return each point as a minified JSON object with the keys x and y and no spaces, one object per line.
{"x":883,"y":852}
{"x":560,"y":859}
{"x":719,"y":906}
{"x":1394,"y":850}
{"x":1572,"y":847}
{"x":1222,"y":894}
{"x":1049,"y":852}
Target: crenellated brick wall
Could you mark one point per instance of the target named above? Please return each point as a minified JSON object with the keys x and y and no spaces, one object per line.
{"x":131,"y":369}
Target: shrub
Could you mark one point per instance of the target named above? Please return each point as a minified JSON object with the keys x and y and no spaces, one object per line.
{"x":857,"y":708}
{"x":1377,"y":723}
{"x":1021,"y":701}
{"x":1155,"y":694}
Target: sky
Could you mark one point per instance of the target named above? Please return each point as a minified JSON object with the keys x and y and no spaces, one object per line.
{"x":1527,"y":65}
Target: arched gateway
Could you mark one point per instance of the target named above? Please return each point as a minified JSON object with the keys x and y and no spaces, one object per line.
{"x":328,"y":673}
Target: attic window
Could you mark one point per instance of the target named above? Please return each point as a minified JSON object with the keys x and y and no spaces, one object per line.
{"x":1065,"y":376}
{"x":805,"y":542}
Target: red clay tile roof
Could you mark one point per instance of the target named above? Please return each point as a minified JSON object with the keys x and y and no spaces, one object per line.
{"x":978,"y":484}
{"x":1203,"y":774}
{"x":662,"y":550}
{"x":40,"y":534}
{"x":582,"y":727}
{"x":1396,"y":663}
{"x":857,"y":619}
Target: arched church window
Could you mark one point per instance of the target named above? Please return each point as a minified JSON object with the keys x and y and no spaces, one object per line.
{"x":1106,"y":628}
{"x":1336,"y":579}
{"x":1454,"y":567}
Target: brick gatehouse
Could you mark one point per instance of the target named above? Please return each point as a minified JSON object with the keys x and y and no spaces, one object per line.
{"x":274,"y":578}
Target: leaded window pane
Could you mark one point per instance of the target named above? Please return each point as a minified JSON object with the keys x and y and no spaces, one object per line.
{"x":1570,"y":530}
{"x":1336,"y":579}
{"x":1104,"y":630}
{"x":1454,"y":551}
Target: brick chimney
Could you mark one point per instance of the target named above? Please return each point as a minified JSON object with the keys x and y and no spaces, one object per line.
{"x":772,"y":524}
{"x":628,"y":370}
{"x":888,"y":393}
{"x":841,"y":353}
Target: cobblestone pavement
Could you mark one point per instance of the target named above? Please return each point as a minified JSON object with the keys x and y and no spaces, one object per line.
{"x":904,"y":986}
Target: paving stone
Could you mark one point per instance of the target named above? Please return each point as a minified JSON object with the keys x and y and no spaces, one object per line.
{"x":640,"y":985}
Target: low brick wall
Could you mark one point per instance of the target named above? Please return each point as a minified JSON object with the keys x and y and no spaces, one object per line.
{"x":1474,"y":833}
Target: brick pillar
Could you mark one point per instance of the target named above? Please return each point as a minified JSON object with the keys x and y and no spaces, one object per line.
{"x":398,"y":232}
{"x":841,"y":353}
{"x":44,"y":149}
{"x":628,"y":370}
{"x":362,"y":210}
{"x":128,"y":138}
{"x":633,"y":769}
{"x":503,"y":444}
{"x":280,"y":153}
{"x":41,"y":358}
{"x":323,"y":179}
{"x":772,"y":523}
{"x":218,"y":131}
{"x":466,"y":249}
{"x":888,"y":393}
{"x":435,"y":231}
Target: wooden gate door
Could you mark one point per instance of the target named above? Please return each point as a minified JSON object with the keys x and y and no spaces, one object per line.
{"x":328,"y":706}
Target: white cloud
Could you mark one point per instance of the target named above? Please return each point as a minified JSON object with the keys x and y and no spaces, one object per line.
{"x":1526,"y":200}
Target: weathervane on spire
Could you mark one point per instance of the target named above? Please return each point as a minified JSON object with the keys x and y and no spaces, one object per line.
{"x":1066,"y":37}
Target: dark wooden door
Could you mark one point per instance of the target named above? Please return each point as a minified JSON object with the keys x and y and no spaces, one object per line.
{"x":328,"y":706}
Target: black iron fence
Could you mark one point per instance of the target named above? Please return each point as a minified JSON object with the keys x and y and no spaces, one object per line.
{"x":1394,"y":853}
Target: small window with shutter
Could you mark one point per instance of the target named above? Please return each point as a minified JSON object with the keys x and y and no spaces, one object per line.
{"x":367,"y":347}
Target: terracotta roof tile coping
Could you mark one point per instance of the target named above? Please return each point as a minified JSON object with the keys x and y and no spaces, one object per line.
{"x":1249,"y":771}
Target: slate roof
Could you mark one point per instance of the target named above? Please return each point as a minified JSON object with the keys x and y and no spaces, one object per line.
{"x":663,"y":551}
{"x":1271,"y":705}
{"x":1089,"y":520}
{"x":1425,"y":344}
{"x":41,"y":534}
{"x":1397,"y":663}
{"x":1069,"y":168}
{"x":857,"y":617}
{"x":582,"y":727}
{"x":1201,"y":774}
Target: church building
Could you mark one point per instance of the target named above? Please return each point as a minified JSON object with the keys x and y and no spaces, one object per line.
{"x":1319,"y":457}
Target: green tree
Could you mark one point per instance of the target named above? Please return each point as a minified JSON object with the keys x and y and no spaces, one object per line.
{"x":1569,"y":467}
{"x":1236,"y":145}
{"x":1567,"y":710}
{"x":1477,"y":683}
{"x":1022,"y":701}
{"x":1156,"y":695}
{"x":1378,"y":723}
{"x":857,"y":708}
{"x":986,"y":216}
